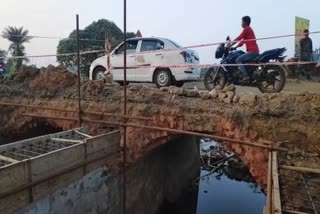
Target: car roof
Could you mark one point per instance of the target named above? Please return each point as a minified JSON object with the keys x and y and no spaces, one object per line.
{"x":138,"y":38}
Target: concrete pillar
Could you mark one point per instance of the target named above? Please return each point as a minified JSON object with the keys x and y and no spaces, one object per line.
{"x":162,"y":175}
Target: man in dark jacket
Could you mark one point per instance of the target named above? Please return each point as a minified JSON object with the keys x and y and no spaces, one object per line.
{"x":305,"y":53}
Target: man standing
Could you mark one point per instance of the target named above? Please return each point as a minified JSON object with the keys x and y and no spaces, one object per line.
{"x":248,"y":38}
{"x":305,"y":53}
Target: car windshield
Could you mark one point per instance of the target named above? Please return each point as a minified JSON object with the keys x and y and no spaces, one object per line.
{"x":175,"y":44}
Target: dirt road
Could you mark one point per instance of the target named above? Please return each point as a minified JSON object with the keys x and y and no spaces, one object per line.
{"x":291,"y":87}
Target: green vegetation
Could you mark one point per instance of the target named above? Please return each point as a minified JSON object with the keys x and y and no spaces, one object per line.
{"x":92,"y":38}
{"x":3,"y":54}
{"x":17,"y":37}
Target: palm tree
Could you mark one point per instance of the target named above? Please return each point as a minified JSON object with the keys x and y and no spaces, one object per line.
{"x":3,"y":54}
{"x":18,"y":37}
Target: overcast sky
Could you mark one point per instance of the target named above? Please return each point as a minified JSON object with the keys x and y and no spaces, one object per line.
{"x":188,"y":22}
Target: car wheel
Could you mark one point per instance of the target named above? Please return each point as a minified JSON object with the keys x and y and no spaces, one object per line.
{"x":99,"y":74}
{"x":122,"y":83}
{"x":163,"y":78}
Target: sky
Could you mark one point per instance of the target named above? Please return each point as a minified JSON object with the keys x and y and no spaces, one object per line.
{"x":188,"y":22}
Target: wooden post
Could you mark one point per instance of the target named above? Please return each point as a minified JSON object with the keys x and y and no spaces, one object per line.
{"x":269,"y":185}
{"x":79,"y":71}
{"x":276,"y":187}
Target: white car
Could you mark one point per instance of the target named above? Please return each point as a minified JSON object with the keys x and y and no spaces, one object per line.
{"x":146,"y":59}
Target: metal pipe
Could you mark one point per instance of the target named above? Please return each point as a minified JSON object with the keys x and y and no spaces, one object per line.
{"x":46,"y":147}
{"x":15,"y":154}
{"x":124,"y":104}
{"x":79,"y":71}
{"x":50,"y":117}
{"x":28,"y":151}
{"x":219,"y":138}
{"x":38,"y":149}
{"x":117,"y":115}
{"x":76,"y":111}
{"x":175,"y":131}
{"x":36,"y":107}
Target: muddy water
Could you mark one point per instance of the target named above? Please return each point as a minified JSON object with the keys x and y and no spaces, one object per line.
{"x":221,"y":194}
{"x":229,"y":190}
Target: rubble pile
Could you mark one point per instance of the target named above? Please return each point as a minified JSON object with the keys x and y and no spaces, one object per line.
{"x":227,"y":95}
{"x":45,"y":78}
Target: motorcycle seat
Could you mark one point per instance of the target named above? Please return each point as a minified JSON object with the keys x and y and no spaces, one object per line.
{"x":254,"y":60}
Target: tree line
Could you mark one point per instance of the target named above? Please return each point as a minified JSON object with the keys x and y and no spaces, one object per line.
{"x":91,"y":38}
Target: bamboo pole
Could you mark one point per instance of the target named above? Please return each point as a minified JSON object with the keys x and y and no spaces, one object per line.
{"x":276,"y":186}
{"x":300,"y":169}
{"x":269,"y":185}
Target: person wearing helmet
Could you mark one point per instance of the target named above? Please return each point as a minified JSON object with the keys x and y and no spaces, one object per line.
{"x":248,"y":38}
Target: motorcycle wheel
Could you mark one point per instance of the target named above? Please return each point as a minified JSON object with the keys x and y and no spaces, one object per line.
{"x":214,"y":79}
{"x":272,"y":79}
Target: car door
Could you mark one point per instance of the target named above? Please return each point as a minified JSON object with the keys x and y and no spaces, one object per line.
{"x":146,"y":57}
{"x":117,"y":63}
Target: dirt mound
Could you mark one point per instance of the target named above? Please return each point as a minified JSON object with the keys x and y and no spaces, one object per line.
{"x":50,"y":77}
{"x":53,"y":77}
{"x":26,"y":72}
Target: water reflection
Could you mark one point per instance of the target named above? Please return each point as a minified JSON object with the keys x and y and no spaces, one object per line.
{"x":228,"y":187}
{"x":220,"y":193}
{"x":224,"y":187}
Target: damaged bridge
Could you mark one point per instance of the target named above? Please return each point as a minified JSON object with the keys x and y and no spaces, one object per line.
{"x":248,"y":125}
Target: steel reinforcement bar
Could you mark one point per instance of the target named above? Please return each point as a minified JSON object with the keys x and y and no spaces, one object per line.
{"x":174,"y":131}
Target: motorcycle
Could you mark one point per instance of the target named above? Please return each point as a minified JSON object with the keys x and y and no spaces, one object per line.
{"x":268,"y":78}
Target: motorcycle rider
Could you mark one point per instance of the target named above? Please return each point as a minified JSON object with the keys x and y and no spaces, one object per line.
{"x":247,"y":37}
